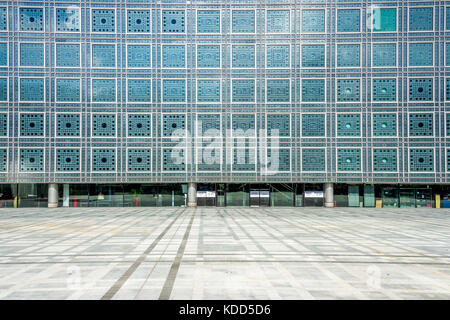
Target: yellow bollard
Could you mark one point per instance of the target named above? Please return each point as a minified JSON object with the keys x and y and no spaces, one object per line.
{"x":438,"y":201}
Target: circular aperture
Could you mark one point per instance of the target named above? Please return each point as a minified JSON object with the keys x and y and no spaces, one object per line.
{"x":139,"y":160}
{"x":103,"y":125}
{"x":103,"y":20}
{"x":139,"y":125}
{"x":174,"y":125}
{"x":32,"y":125}
{"x":421,"y":160}
{"x":31,"y":19}
{"x":420,"y":125}
{"x":68,"y":160}
{"x":68,"y":125}
{"x":104,"y":160}
{"x":31,"y":160}
{"x":420,"y":89}
{"x":138,"y":21}
{"x":173,"y":21}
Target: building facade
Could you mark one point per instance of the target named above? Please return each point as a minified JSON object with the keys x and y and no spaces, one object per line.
{"x":148,"y":103}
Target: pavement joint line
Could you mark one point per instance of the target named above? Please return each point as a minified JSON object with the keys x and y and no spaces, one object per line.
{"x":119,"y":283}
{"x":170,"y":280}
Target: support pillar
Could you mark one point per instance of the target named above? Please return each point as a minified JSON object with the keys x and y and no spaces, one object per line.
{"x":53,"y":195}
{"x":192,"y":194}
{"x":329,"y":195}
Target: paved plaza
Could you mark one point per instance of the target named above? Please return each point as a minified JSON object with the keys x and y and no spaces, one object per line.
{"x":224,"y":253}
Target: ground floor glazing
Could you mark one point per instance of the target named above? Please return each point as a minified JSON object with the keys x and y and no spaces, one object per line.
{"x":225,"y":194}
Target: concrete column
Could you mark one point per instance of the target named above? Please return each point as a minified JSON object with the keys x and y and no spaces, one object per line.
{"x":53,"y":195}
{"x":192,"y":194}
{"x":329,"y":195}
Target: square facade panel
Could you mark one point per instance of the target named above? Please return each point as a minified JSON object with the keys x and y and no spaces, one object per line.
{"x":139,"y":90}
{"x":103,"y":20}
{"x":385,"y":160}
{"x":68,"y":90}
{"x":174,"y":56}
{"x":138,"y":21}
{"x":68,"y":20}
{"x":208,"y":56}
{"x":139,"y":159}
{"x":421,"y":160}
{"x":313,"y":90}
{"x":32,"y":124}
{"x":3,"y":160}
{"x":279,"y":159}
{"x":244,"y":159}
{"x":278,"y":56}
{"x":138,"y":56}
{"x":313,"y":125}
{"x":384,"y":89}
{"x":421,"y":19}
{"x":278,"y":125}
{"x":278,"y":21}
{"x":313,"y":160}
{"x":243,"y":90}
{"x":32,"y":54}
{"x":348,"y":125}
{"x":384,"y":19}
{"x":208,"y":21}
{"x":243,"y":56}
{"x":348,"y":159}
{"x":208,"y":125}
{"x":31,"y":160}
{"x":348,"y":55}
{"x":421,"y":125}
{"x":4,"y":89}
{"x":278,"y":90}
{"x":173,"y":125}
{"x":68,"y":160}
{"x":173,"y":160}
{"x":68,"y":125}
{"x":139,"y":125}
{"x":243,"y":124}
{"x":104,"y":55}
{"x":103,"y":125}
{"x":173,"y":21}
{"x":32,"y":89}
{"x":103,"y":160}
{"x":208,"y":91}
{"x":243,"y":21}
{"x":103,"y":90}
{"x":313,"y":56}
{"x":384,"y":124}
{"x":3,"y":124}
{"x":3,"y":19}
{"x":3,"y":54}
{"x":348,"y":20}
{"x":68,"y":55}
{"x":31,"y":19}
{"x":174,"y":90}
{"x":420,"y":89}
{"x":384,"y":55}
{"x":313,"y":20}
{"x":421,"y":54}
{"x":348,"y":90}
